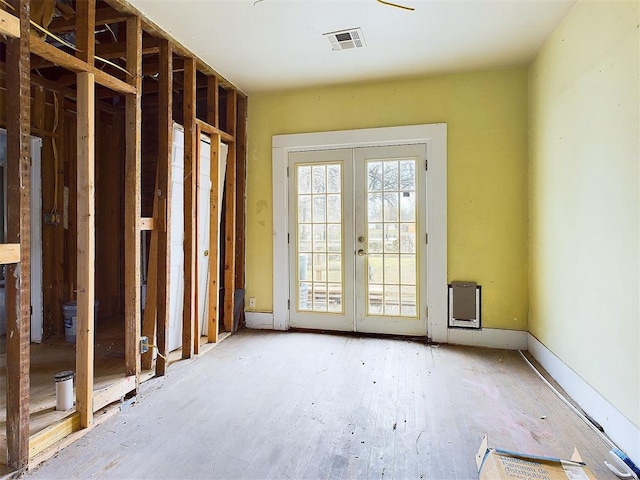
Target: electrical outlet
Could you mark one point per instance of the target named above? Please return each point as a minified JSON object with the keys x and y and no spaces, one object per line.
{"x":52,"y":218}
{"x":252,"y":302}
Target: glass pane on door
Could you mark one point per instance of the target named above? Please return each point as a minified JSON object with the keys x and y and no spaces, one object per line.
{"x":319,"y":242}
{"x":392,"y":263}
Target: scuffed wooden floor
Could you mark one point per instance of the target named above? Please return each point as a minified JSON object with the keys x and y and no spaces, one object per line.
{"x":266,"y":405}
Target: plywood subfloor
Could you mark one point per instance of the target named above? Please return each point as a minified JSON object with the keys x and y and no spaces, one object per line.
{"x":57,"y":355}
{"x":273,"y":405}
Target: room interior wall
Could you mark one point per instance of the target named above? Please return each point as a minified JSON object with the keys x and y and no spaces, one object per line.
{"x":585,"y":198}
{"x":486,"y":115}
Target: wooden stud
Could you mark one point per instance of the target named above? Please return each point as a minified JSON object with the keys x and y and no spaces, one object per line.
{"x":241,"y":181}
{"x":165,"y":144}
{"x":213,"y":101}
{"x":86,"y":248}
{"x":18,"y":288}
{"x":214,"y":242}
{"x":190,"y":169}
{"x":197,"y":226}
{"x":230,"y":217}
{"x":85,"y":28}
{"x":133,"y":188}
{"x":38,"y":108}
{"x":150,"y":307}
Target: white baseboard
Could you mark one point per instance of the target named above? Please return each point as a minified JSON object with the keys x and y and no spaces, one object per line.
{"x":488,"y":337}
{"x":618,"y":428}
{"x":259,"y":320}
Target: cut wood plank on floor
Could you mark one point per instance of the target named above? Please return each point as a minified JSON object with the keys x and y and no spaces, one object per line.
{"x":274,"y":405}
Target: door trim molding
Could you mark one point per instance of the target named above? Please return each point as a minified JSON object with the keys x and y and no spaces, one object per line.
{"x":435,"y":137}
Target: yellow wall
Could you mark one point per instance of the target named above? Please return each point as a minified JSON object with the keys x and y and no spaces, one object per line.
{"x":584,"y":210}
{"x":486,"y":115}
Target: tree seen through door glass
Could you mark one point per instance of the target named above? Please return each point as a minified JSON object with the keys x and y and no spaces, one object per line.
{"x":391,"y":227}
{"x":319,"y":242}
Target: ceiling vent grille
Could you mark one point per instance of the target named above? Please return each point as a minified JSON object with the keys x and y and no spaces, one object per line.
{"x":346,"y":39}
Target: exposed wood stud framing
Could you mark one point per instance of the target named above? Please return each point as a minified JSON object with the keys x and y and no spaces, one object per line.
{"x":190,"y":169}
{"x":196,"y":246}
{"x":63,"y":59}
{"x":241,"y":181}
{"x":230,"y":216}
{"x":103,"y":16}
{"x":214,"y":242}
{"x":165,"y":142}
{"x":18,"y":288}
{"x":150,"y":307}
{"x":133,"y":193}
{"x":85,"y":28}
{"x":213,"y":101}
{"x":86,"y":248}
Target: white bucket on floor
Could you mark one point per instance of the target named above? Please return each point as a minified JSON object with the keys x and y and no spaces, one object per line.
{"x":64,"y":390}
{"x":70,"y":313}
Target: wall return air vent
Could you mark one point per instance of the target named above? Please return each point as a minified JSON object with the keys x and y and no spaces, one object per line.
{"x":346,"y":39}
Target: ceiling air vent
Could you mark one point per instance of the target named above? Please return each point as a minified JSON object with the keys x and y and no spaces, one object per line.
{"x":346,"y":39}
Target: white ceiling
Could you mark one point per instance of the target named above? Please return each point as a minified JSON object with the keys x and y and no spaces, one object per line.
{"x":275,"y":45}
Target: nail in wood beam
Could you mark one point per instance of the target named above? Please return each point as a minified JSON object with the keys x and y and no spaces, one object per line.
{"x":189,"y":304}
{"x":86,"y":247}
{"x":230,"y":217}
{"x":85,"y":30}
{"x":18,"y":275}
{"x":165,"y":143}
{"x":133,"y":191}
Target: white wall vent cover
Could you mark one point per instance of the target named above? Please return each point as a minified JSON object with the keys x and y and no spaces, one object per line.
{"x":346,"y":39}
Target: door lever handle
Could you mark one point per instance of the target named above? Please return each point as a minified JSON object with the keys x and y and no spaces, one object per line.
{"x":361,"y":253}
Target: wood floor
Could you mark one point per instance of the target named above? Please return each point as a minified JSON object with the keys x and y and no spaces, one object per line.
{"x":57,"y":355}
{"x":267,"y":405}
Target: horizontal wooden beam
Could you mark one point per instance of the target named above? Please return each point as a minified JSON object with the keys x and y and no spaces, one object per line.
{"x":38,"y":442}
{"x":110,"y":51}
{"x":113,"y":393}
{"x":9,"y":25}
{"x":63,"y":59}
{"x":147,"y":223}
{"x":9,"y":253}
{"x":211,"y":130}
{"x":104,"y":16}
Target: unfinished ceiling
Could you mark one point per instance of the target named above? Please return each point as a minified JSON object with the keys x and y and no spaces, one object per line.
{"x":269,"y":45}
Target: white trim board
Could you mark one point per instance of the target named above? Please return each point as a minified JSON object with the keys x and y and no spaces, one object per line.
{"x":617,"y":427}
{"x":489,"y":337}
{"x":259,"y":320}
{"x":435,"y":137}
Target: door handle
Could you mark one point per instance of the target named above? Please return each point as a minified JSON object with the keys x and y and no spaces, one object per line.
{"x":361,"y":253}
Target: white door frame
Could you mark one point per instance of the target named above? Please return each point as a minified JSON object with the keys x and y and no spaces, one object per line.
{"x":435,"y":138}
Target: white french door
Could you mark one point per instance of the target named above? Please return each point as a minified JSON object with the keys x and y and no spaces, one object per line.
{"x":357,"y":244}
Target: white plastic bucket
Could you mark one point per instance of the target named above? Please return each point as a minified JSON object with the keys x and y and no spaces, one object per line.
{"x":64,"y":390}
{"x":70,"y":313}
